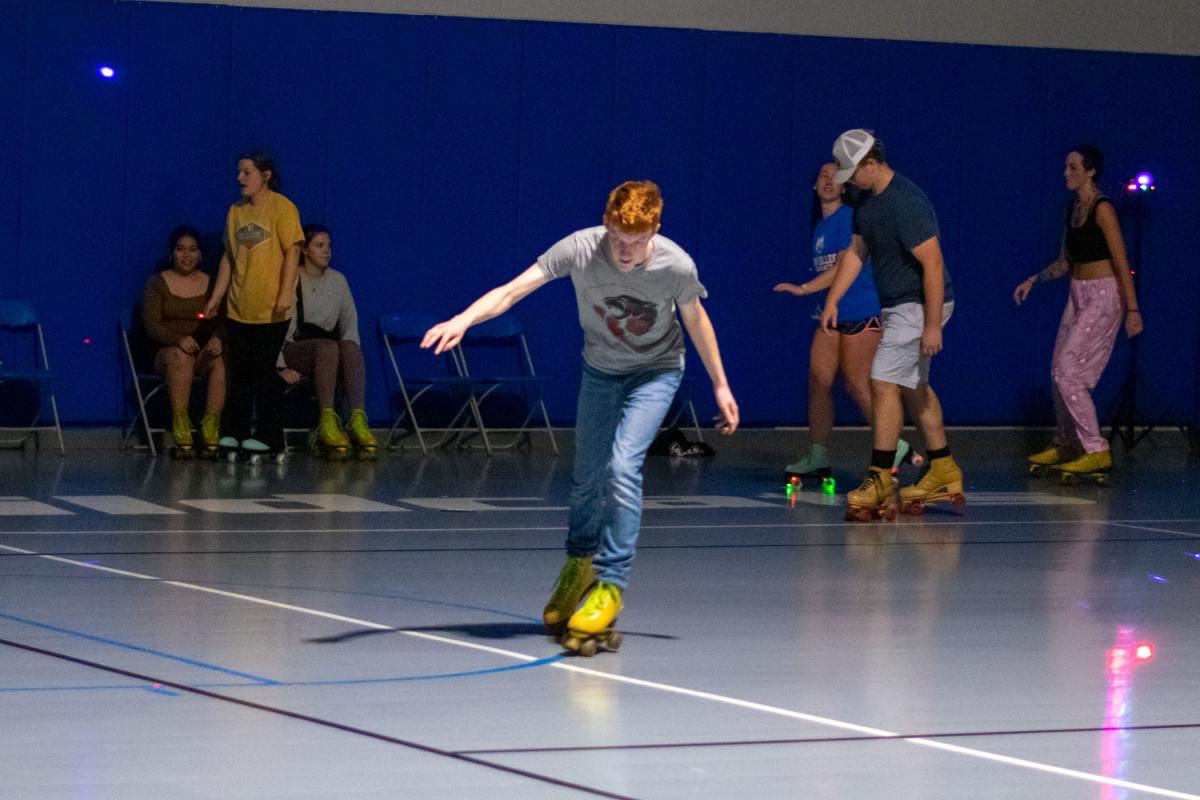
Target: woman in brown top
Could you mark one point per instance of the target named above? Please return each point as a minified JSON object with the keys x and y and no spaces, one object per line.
{"x":173,"y":315}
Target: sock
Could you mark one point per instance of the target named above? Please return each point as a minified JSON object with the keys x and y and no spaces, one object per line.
{"x":941,"y":453}
{"x":883,"y":459}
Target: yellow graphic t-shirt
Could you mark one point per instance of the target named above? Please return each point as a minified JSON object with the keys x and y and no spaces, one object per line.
{"x":256,"y":237}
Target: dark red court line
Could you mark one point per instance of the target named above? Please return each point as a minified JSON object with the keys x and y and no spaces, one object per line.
{"x":826,"y":739}
{"x":283,"y":712}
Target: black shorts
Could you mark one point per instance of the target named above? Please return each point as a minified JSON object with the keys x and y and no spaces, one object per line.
{"x":858,"y":326}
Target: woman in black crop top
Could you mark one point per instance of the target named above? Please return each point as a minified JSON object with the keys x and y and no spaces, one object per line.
{"x":1102,"y":298}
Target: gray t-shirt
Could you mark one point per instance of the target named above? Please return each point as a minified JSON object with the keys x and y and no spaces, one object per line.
{"x":628,"y":318}
{"x":891,"y":224}
{"x":329,"y":304}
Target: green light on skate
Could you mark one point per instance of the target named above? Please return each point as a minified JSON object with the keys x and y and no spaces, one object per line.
{"x":788,"y":489}
{"x":829,"y":486}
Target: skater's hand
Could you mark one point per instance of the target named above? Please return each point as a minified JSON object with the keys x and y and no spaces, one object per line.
{"x":829,"y":319}
{"x":727,"y":421}
{"x":799,"y":291}
{"x":290,"y":375}
{"x":931,"y":341}
{"x":445,"y":335}
{"x":188,"y":345}
{"x":1133,"y":323}
{"x":214,"y":346}
{"x":283,"y":303}
{"x":210,"y":310}
{"x":1023,"y":289}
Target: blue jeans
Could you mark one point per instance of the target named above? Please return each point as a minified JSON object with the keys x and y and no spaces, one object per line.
{"x":617,"y":419}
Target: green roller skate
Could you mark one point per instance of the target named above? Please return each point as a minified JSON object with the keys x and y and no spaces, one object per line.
{"x":592,"y":626}
{"x":182,"y":445}
{"x":573,"y":582}
{"x":210,"y":434}
{"x":365,"y":446}
{"x":329,"y":440}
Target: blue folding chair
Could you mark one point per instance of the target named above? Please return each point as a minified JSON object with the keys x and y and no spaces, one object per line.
{"x":145,"y":383}
{"x":512,"y":367}
{"x":19,"y":319}
{"x":417,"y":373}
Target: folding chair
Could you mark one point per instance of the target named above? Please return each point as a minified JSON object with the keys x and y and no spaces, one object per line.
{"x":17,"y":317}
{"x":504,"y":336}
{"x":146,"y":384}
{"x":422,"y":373}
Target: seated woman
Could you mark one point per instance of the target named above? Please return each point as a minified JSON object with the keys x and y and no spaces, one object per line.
{"x":322,"y":343}
{"x":173,"y":305}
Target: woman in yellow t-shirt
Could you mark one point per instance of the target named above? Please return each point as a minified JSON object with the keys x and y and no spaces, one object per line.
{"x":262,"y":253}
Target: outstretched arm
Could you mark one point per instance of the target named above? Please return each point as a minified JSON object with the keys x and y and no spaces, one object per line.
{"x":446,"y":335}
{"x":817,"y":284}
{"x":700,"y":330}
{"x":1056,"y":269}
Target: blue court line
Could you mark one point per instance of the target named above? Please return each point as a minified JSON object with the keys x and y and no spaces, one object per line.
{"x":137,"y":649}
{"x":541,"y":662}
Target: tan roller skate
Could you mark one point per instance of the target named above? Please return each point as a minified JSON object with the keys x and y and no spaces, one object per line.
{"x":941,"y":483}
{"x":1092,"y":467}
{"x":182,"y":445}
{"x":1050,"y":461}
{"x":573,"y":582}
{"x":592,"y":626}
{"x":365,"y":446}
{"x":875,"y":498}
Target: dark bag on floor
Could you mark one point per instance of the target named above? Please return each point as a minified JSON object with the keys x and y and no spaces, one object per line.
{"x":672,"y":442}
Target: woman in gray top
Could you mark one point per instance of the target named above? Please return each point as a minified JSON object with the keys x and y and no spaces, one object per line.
{"x":629,"y":282}
{"x":323,"y":344}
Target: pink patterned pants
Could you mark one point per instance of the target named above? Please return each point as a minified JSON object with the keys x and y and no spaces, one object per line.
{"x":1085,"y":342}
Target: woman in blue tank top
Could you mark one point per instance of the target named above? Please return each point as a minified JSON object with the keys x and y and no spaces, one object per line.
{"x":852,"y":348}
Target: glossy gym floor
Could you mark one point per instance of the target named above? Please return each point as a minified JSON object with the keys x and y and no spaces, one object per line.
{"x":175,"y":629}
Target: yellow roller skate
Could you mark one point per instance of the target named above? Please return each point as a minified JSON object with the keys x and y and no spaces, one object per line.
{"x":592,"y":626}
{"x":182,"y":445}
{"x":941,"y":483}
{"x":1092,"y":467}
{"x":573,"y":582}
{"x":1050,"y":460}
{"x":329,"y":440}
{"x":875,"y":498}
{"x":365,"y":446}
{"x":210,"y":434}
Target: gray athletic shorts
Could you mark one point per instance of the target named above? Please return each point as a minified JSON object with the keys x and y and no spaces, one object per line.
{"x":899,"y":359}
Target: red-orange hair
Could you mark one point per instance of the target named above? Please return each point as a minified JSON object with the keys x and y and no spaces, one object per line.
{"x":634,"y":207}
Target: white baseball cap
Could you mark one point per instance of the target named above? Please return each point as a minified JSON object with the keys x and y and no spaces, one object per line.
{"x":850,"y":149}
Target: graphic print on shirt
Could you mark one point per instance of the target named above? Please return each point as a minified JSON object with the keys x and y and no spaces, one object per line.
{"x":821,"y":260}
{"x":626,"y":316}
{"x":251,"y":235}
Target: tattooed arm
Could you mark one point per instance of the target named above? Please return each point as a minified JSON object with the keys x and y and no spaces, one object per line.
{"x":1057,"y":268}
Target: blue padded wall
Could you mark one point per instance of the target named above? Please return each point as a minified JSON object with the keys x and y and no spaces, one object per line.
{"x":447,"y":154}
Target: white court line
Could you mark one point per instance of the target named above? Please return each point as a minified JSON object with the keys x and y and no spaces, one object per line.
{"x":1156,"y":530}
{"x":662,"y":687}
{"x":501,"y":529}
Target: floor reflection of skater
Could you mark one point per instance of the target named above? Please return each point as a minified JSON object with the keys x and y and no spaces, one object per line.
{"x":852,"y":348}
{"x":323,"y":344}
{"x":897,"y":229}
{"x":1102,"y":297}
{"x":189,"y":342}
{"x":262,"y":251}
{"x":629,"y":282}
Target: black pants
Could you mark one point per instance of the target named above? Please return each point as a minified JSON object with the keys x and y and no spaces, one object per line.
{"x":255,"y":388}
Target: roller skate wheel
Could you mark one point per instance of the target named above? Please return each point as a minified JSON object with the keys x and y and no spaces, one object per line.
{"x":959,"y":504}
{"x":571,"y":642}
{"x":916,"y":508}
{"x":889,"y":513}
{"x":587,"y":648}
{"x":614,"y":641}
{"x":917,"y":459}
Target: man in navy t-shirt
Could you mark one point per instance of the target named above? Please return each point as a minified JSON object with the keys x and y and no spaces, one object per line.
{"x":896,"y":228}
